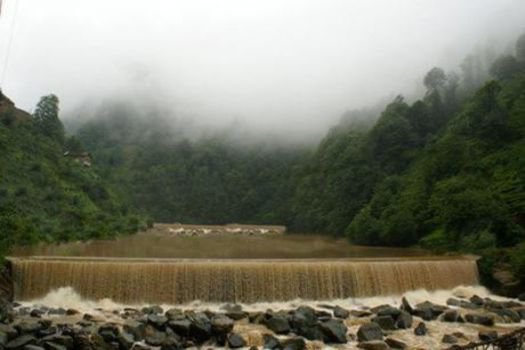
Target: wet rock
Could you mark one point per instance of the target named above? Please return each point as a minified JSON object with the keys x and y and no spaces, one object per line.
{"x":389,"y":311}
{"x":395,"y":344}
{"x":405,"y":306}
{"x":449,"y":339}
{"x":174,"y":314}
{"x":126,"y":340}
{"x":55,"y":346}
{"x":429,"y":311}
{"x":510,"y":316}
{"x":453,"y":302}
{"x":57,"y":312}
{"x":339,"y":312}
{"x":33,"y":347}
{"x":36,"y":313}
{"x":477,"y":300}
{"x":421,"y":329}
{"x":20,"y":342}
{"x":487,"y":335}
{"x":9,"y":331}
{"x":157,"y":320}
{"x":303,"y":321}
{"x":294,"y":344}
{"x":171,"y":343}
{"x":154,"y":309}
{"x":277,"y":324}
{"x":271,"y":342}
{"x":200,"y":328}
{"x":373,"y":345}
{"x":484,"y":320}
{"x":404,"y":320}
{"x":385,"y":322}
{"x":256,"y":317}
{"x":451,"y":316}
{"x":108,"y":332}
{"x":137,"y":329}
{"x":360,"y":313}
{"x":521,"y":297}
{"x":28,"y":327}
{"x":71,"y":312}
{"x":369,"y":331}
{"x":180,"y":327}
{"x":3,"y":339}
{"x":236,"y":341}
{"x":155,"y":339}
{"x":237,"y":315}
{"x":221,"y":325}
{"x":334,"y":331}
{"x":63,"y":340}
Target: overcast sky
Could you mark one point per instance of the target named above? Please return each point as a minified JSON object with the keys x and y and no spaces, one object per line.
{"x":290,"y":64}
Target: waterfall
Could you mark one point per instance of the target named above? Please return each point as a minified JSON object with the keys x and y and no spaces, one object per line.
{"x":180,"y":281}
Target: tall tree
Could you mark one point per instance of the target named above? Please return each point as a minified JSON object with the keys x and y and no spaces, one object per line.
{"x":46,"y":118}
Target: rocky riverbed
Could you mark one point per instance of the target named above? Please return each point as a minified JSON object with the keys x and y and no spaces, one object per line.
{"x":424,"y":325}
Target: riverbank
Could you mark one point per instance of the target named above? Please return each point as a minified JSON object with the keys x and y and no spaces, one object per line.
{"x":416,"y":321}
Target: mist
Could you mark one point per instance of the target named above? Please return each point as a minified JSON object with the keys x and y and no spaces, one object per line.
{"x":291,"y":68}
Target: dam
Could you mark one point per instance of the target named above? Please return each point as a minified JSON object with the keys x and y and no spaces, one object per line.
{"x":177,"y":281}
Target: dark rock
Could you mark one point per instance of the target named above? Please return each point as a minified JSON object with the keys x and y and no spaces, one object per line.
{"x":174,"y":314}
{"x":405,"y":306}
{"x":373,"y":345}
{"x":181,"y":327}
{"x":429,"y":311}
{"x":88,"y":317}
{"x":449,"y":339}
{"x":521,"y":312}
{"x":9,"y":331}
{"x":54,"y":346}
{"x":385,"y":322}
{"x":171,"y":343}
{"x":3,"y":339}
{"x":28,"y":327}
{"x":64,"y":340}
{"x":154,"y":309}
{"x":476,"y":300}
{"x":294,"y":344}
{"x":36,"y":313}
{"x":468,"y":305}
{"x":453,"y":302}
{"x":510,"y":316}
{"x":33,"y":347}
{"x":389,"y":311}
{"x":231,"y":307}
{"x":334,"y":331}
{"x":521,"y":297}
{"x":303,"y":321}
{"x":487,"y":335}
{"x":221,"y":325}
{"x":200,"y":328}
{"x":155,"y":339}
{"x":451,"y":316}
{"x":404,"y":320}
{"x":126,"y":340}
{"x":480,"y":319}
{"x":71,"y":312}
{"x":158,"y":321}
{"x":395,"y":344}
{"x":20,"y":342}
{"x":271,"y":342}
{"x":237,"y":315}
{"x":236,"y":341}
{"x":137,"y":329}
{"x":339,"y":312}
{"x":369,"y":331}
{"x":277,"y":324}
{"x":360,"y":313}
{"x":421,"y":329}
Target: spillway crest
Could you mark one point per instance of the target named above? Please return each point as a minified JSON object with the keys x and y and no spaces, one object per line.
{"x":175,"y":282}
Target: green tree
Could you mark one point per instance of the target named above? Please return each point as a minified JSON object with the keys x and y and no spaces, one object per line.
{"x":46,"y":118}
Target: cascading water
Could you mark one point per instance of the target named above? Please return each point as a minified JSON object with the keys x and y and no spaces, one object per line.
{"x":181,"y":281}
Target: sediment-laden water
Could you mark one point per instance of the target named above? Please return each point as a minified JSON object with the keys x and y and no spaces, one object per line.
{"x":181,"y":281}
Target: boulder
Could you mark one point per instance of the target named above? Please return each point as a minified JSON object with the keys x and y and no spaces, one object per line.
{"x":385,"y":322}
{"x":180,"y":327}
{"x":373,"y":345}
{"x":339,"y":312}
{"x":429,"y":311}
{"x":334,"y":331}
{"x":521,"y":297}
{"x":405,"y":306}
{"x":200,"y":329}
{"x":157,"y":320}
{"x":449,"y":339}
{"x":236,"y":341}
{"x":404,"y":320}
{"x":453,"y":302}
{"x":395,"y":344}
{"x":271,"y":342}
{"x":28,"y":327}
{"x":277,"y":324}
{"x":156,"y":338}
{"x":421,"y":329}
{"x":360,"y":313}
{"x":154,"y":309}
{"x":126,"y":340}
{"x":485,"y":335}
{"x":477,"y":300}
{"x":484,"y":320}
{"x":510,"y":316}
{"x":135,"y":328}
{"x":388,"y":311}
{"x":19,"y":342}
{"x":451,"y":316}
{"x":294,"y":344}
{"x":174,"y":314}
{"x":8,"y":330}
{"x":221,"y":325}
{"x":369,"y":331}
{"x":171,"y":343}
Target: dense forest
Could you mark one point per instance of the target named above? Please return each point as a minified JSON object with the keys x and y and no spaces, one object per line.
{"x":444,"y":172}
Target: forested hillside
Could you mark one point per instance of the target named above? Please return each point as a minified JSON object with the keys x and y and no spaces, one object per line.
{"x":48,"y":189}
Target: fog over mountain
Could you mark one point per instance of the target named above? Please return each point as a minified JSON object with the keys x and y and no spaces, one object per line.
{"x":293,"y":66}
